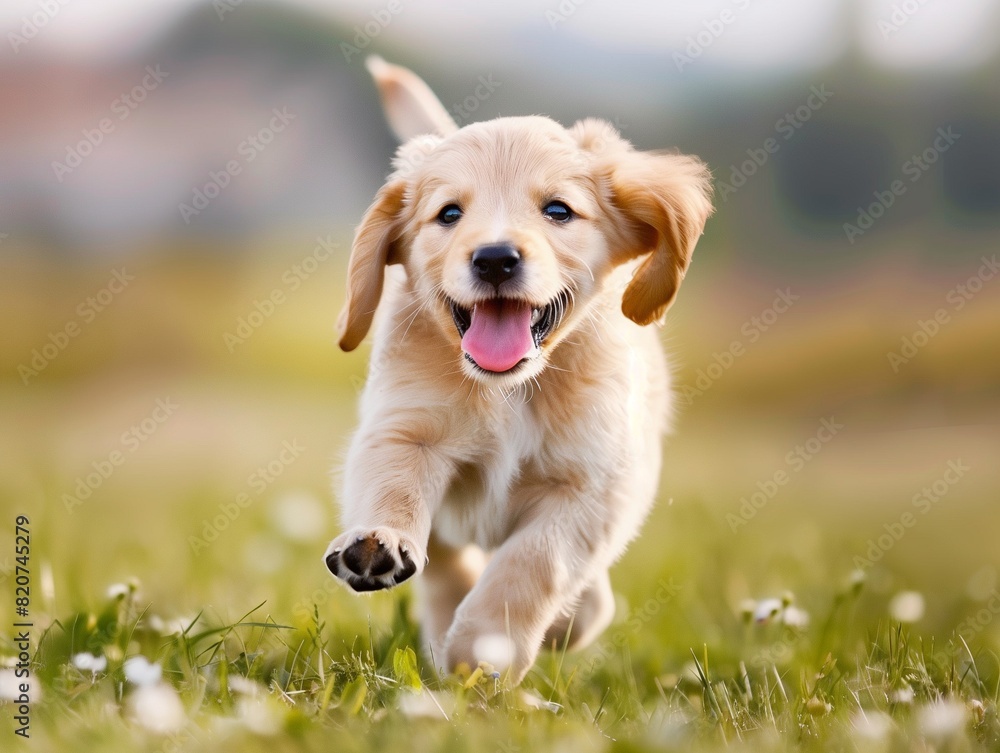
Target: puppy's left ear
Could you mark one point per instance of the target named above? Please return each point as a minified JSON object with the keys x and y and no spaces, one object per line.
{"x":666,"y":199}
{"x":410,"y":106}
{"x":662,"y":202}
{"x":376,"y":244}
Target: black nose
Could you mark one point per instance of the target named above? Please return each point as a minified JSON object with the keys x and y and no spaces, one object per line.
{"x":496,"y":263}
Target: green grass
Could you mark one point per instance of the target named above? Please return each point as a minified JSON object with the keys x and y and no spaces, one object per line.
{"x":257,"y":683}
{"x":260,"y":650}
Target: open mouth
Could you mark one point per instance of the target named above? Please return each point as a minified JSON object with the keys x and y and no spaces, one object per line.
{"x":499,"y":333}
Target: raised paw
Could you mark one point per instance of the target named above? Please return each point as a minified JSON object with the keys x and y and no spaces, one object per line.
{"x":370,"y":559}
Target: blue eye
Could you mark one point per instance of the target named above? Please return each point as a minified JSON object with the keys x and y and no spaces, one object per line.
{"x":558,"y":211}
{"x":449,"y":214}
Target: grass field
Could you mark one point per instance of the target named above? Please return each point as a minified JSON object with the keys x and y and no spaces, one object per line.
{"x":175,"y":482}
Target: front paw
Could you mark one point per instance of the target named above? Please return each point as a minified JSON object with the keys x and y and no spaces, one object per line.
{"x":370,"y":559}
{"x":469,"y":645}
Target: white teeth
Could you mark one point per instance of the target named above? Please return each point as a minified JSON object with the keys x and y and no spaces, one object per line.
{"x":536,"y":315}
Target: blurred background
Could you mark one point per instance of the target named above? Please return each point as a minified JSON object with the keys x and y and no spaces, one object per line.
{"x":178,"y":186}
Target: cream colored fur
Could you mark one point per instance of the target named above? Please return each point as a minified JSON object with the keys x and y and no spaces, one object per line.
{"x":511,"y":494}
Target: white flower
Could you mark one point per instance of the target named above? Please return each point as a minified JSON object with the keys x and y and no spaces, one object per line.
{"x":902,"y":695}
{"x":117,"y":591}
{"x":246,"y":686}
{"x":89,"y":663}
{"x":766,"y":610}
{"x":532,"y":700}
{"x":175,"y":626}
{"x":121,"y":590}
{"x":795,"y":617}
{"x":158,"y":708}
{"x":770,"y":610}
{"x":494,"y":648}
{"x":941,"y":719}
{"x":427,"y":704}
{"x":139,"y":671}
{"x":871,"y":725}
{"x":260,"y":715}
{"x":10,"y":685}
{"x":907,"y":606}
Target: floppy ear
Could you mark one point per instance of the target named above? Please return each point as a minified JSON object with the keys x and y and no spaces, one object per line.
{"x":666,"y":201}
{"x":659,"y":206}
{"x":409,"y":104}
{"x":375,"y":246}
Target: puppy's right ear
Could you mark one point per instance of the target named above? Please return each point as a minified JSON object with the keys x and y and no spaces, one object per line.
{"x":376,"y":244}
{"x":409,"y":104}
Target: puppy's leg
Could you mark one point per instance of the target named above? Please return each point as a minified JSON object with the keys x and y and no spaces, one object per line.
{"x":394,"y":480}
{"x":450,"y":575}
{"x":587,"y":620}
{"x":538,"y":572}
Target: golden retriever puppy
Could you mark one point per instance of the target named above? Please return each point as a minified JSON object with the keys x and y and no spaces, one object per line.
{"x":509,"y":438}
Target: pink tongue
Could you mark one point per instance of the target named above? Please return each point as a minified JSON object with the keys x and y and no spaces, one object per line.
{"x":500,"y":334}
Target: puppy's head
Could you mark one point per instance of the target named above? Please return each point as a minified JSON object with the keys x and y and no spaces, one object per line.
{"x":509,"y":229}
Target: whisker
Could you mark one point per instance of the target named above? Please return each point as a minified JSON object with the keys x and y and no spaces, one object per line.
{"x":412,"y":319}
{"x":584,"y":264}
{"x":597,"y":329}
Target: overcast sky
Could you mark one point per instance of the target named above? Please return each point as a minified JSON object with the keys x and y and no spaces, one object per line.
{"x":768,"y":34}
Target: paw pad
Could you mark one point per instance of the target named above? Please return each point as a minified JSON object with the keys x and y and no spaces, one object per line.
{"x":370,"y":561}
